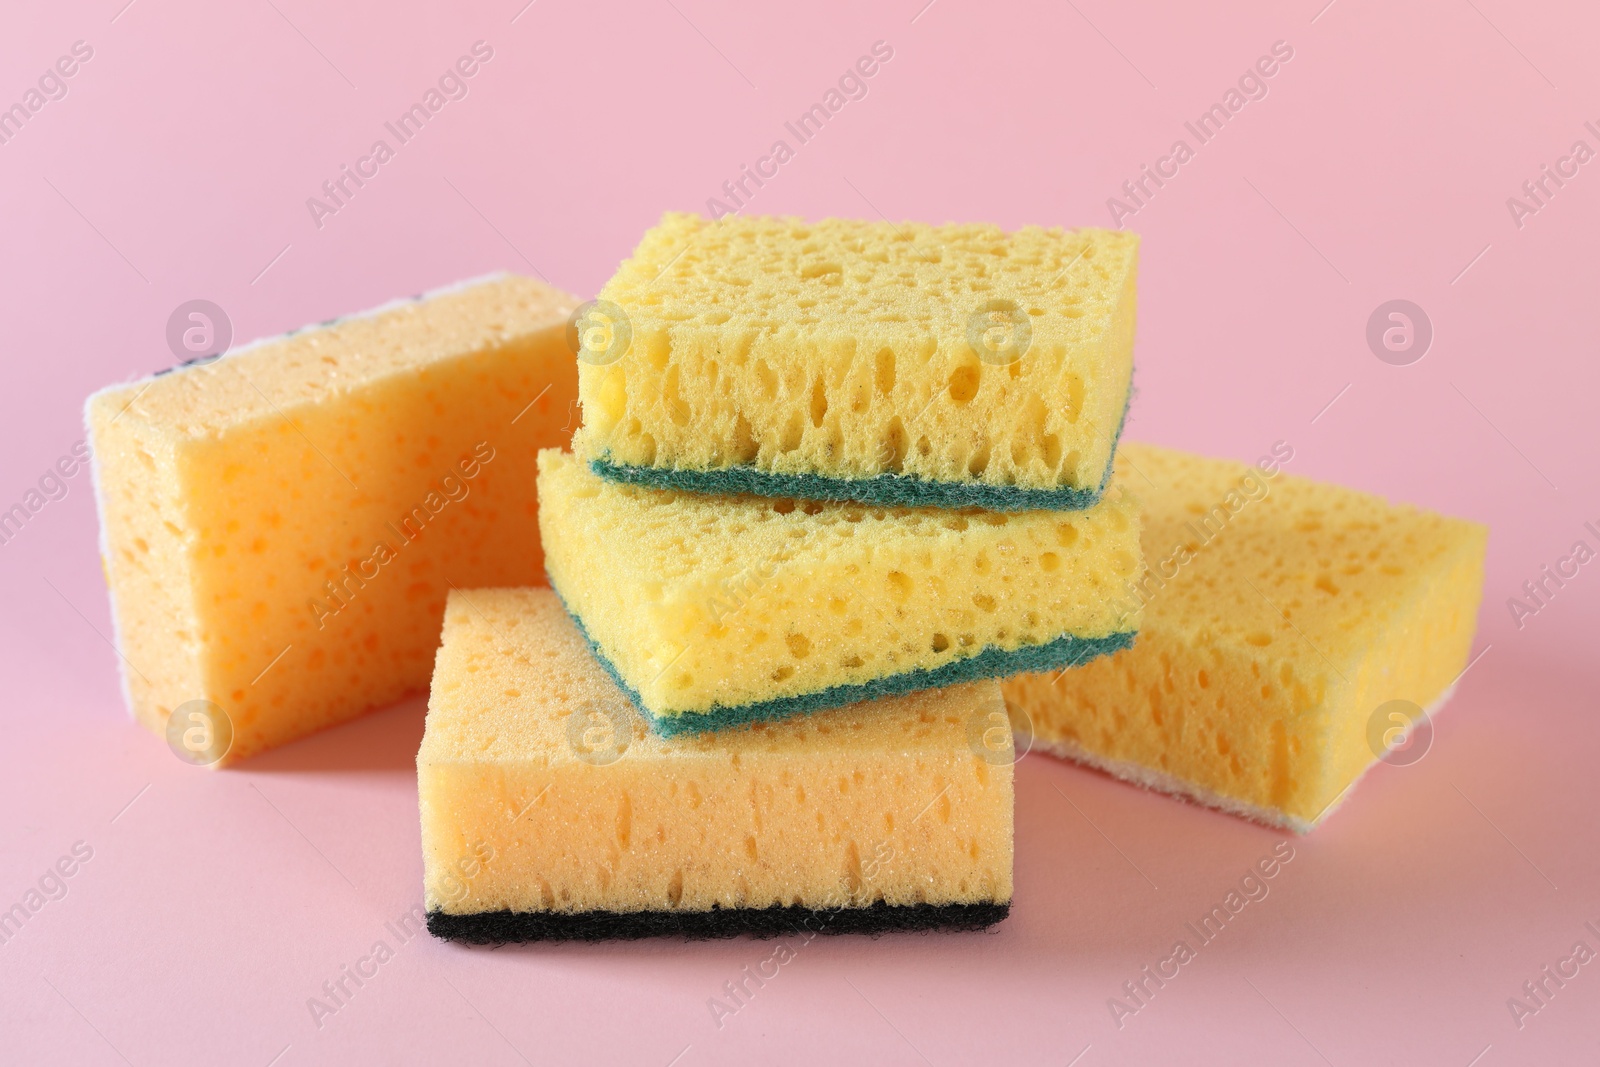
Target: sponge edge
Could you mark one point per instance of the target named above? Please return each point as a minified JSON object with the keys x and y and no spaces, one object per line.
{"x":887,"y":490}
{"x":883,"y":490}
{"x":1162,"y":782}
{"x":1061,"y":654}
{"x":500,"y":927}
{"x":549,"y":811}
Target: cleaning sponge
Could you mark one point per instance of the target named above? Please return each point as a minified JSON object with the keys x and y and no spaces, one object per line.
{"x":550,"y":812}
{"x":1284,"y":616}
{"x":280,"y":526}
{"x":894,"y":364}
{"x":716,"y":611}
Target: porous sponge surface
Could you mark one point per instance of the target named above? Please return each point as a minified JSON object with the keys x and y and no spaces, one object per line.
{"x":840,"y":349}
{"x":719,"y":605}
{"x":890,"y":490}
{"x":542,"y":790}
{"x":1280,"y":614}
{"x":389,"y":455}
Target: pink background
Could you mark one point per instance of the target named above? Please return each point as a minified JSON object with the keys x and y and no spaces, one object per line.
{"x":1378,"y":167}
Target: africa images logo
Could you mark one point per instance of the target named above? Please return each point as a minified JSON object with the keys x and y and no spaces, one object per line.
{"x":51,"y":86}
{"x":999,"y":332}
{"x":599,"y":735}
{"x":599,"y":332}
{"x":1399,"y":732}
{"x":453,"y":84}
{"x":199,"y":732}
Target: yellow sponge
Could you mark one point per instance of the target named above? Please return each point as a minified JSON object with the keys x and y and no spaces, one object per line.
{"x":714,"y":611}
{"x":280,"y":526}
{"x":886,"y":363}
{"x":549,"y":811}
{"x":1293,"y":630}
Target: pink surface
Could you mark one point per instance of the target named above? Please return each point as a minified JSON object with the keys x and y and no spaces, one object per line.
{"x":1377,"y":167}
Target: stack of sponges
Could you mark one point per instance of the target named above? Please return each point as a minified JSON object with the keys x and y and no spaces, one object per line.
{"x":845,"y":506}
{"x":825,"y":471}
